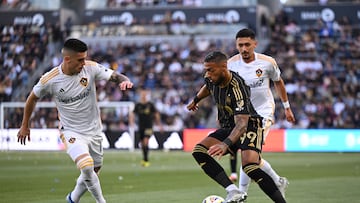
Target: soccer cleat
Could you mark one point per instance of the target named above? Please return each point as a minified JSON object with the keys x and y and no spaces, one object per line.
{"x":235,"y":196}
{"x":145,"y":163}
{"x":282,"y":185}
{"x":233,"y":177}
{"x":68,"y":198}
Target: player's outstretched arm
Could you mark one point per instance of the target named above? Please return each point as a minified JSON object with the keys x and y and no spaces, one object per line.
{"x":203,"y":92}
{"x":123,"y":81}
{"x":24,"y":132}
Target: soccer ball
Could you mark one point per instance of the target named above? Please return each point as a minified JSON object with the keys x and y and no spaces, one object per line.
{"x":213,"y":199}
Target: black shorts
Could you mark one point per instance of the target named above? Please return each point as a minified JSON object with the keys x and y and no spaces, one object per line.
{"x":254,"y":135}
{"x":250,"y":141}
{"x":145,"y":132}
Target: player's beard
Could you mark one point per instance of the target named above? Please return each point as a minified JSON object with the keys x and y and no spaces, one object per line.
{"x":245,"y":55}
{"x":220,"y":81}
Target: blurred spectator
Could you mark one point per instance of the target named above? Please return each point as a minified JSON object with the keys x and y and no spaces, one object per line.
{"x":15,"y":4}
{"x":320,"y":65}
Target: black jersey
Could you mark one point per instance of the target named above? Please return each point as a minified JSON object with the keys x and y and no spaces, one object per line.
{"x":231,"y":100}
{"x":146,"y":114}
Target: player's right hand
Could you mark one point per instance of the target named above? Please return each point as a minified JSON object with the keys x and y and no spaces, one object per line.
{"x":192,"y":106}
{"x":23,"y":134}
{"x":125,"y":85}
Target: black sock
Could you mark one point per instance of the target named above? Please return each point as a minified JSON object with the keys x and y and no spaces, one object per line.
{"x":264,"y":181}
{"x":233,"y":162}
{"x":210,"y":166}
{"x":145,"y":150}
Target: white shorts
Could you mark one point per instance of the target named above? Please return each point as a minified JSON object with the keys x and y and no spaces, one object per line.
{"x":77,"y":144}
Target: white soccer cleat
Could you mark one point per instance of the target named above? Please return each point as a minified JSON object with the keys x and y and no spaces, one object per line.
{"x":282,"y":185}
{"x":235,"y":196}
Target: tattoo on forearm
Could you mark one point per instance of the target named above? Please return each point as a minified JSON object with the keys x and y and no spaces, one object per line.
{"x":118,"y":78}
{"x":239,"y":129}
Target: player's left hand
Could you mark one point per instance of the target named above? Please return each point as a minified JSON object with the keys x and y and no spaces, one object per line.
{"x":192,"y":106}
{"x":218,"y":150}
{"x":126,"y":85}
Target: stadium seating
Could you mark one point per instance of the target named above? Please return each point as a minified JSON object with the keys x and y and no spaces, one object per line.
{"x":321,"y":70}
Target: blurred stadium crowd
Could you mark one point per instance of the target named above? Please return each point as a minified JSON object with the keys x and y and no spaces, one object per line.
{"x":320,"y":65}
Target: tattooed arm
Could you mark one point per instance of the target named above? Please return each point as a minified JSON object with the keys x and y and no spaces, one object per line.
{"x":122,"y":80}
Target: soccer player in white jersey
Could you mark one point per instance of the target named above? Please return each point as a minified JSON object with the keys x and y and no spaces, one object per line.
{"x":72,"y":85}
{"x":258,"y":70}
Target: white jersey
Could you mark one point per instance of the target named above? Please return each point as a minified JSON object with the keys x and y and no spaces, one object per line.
{"x":75,"y":96}
{"x":257,"y":74}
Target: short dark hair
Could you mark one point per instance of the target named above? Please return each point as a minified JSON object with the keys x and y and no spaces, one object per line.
{"x":75,"y":45}
{"x":246,"y":32}
{"x":215,"y":56}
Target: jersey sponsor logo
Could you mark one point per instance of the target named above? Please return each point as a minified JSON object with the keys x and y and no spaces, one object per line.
{"x":258,"y":83}
{"x":84,"y":82}
{"x":78,"y":97}
{"x":258,"y":72}
{"x":228,"y":109}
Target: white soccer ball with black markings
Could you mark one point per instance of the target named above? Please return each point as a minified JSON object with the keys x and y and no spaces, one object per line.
{"x":213,"y":199}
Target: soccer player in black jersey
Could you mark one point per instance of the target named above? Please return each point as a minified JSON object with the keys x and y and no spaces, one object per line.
{"x":240,"y":128}
{"x":146,"y":115}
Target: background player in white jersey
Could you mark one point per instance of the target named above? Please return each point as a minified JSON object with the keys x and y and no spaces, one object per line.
{"x":258,"y":70}
{"x":72,"y":85}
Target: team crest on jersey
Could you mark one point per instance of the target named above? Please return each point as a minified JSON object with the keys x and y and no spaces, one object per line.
{"x":228,"y":99}
{"x":72,"y":140}
{"x":259,"y":72}
{"x":84,"y":82}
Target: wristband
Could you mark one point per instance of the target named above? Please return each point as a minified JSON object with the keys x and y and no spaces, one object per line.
{"x":286,"y":105}
{"x":196,"y":99}
{"x":228,"y":142}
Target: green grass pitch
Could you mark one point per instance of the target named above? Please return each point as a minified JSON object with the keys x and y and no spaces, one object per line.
{"x":46,"y":177}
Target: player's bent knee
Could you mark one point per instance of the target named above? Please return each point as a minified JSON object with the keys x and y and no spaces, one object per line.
{"x":85,"y":163}
{"x":200,"y":153}
{"x":199,"y":148}
{"x":253,"y":171}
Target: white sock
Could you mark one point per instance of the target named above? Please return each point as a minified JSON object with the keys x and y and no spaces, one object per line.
{"x":244,"y":181}
{"x":266,"y":167}
{"x":79,"y":190}
{"x":92,"y":183}
{"x":231,"y":188}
